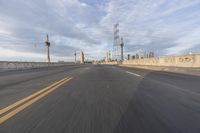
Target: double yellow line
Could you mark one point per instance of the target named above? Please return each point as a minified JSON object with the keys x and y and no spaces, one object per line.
{"x":15,"y":108}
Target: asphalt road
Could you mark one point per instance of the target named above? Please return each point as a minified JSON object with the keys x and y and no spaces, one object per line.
{"x":99,"y":99}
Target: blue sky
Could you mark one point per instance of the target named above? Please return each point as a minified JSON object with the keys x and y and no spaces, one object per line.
{"x":166,"y":27}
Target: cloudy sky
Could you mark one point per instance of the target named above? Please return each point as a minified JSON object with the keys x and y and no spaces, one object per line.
{"x":166,"y":27}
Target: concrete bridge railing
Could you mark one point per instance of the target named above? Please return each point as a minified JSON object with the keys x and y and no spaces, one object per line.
{"x":27,"y":65}
{"x":190,"y":61}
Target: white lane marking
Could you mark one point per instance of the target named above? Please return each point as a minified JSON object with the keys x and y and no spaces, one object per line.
{"x":135,"y":74}
{"x":87,"y":68}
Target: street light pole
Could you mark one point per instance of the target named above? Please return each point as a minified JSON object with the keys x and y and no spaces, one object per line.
{"x":75,"y":56}
{"x":48,"y":50}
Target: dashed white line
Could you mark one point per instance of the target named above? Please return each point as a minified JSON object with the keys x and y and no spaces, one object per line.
{"x":87,"y":68}
{"x":135,"y":74}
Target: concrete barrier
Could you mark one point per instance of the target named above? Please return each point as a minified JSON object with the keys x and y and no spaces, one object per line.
{"x":188,"y":61}
{"x":109,"y":63}
{"x":187,"y":64}
{"x":4,"y":66}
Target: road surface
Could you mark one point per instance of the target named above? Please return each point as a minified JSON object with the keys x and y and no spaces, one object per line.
{"x":98,"y":99}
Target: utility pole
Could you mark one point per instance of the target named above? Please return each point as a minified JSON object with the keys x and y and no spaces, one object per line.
{"x":75,"y":56}
{"x":48,"y":51}
{"x":122,"y":49}
{"x":109,"y":56}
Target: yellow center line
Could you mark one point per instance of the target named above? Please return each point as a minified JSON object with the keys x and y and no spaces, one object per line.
{"x":25,"y":105}
{"x":30,"y":97}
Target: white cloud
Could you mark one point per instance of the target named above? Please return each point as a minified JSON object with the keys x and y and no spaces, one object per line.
{"x":16,"y":56}
{"x":164,"y":26}
{"x":149,"y":24}
{"x":186,"y":43}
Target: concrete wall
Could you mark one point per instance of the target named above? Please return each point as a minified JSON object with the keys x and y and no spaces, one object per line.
{"x":190,"y":61}
{"x":28,"y":65}
{"x":110,"y":63}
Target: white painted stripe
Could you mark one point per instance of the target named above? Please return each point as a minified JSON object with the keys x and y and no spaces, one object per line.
{"x":87,"y":68}
{"x":135,"y":74}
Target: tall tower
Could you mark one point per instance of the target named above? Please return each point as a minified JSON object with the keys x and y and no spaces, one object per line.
{"x":48,"y":51}
{"x":116,"y":44}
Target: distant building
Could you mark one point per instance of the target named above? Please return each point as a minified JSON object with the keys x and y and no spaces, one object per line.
{"x":144,"y":55}
{"x":129,"y":57}
{"x":107,"y":59}
{"x":151,"y":54}
{"x":133,"y":57}
{"x":137,"y":56}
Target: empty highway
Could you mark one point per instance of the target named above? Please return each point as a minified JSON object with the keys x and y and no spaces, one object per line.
{"x":98,"y":99}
